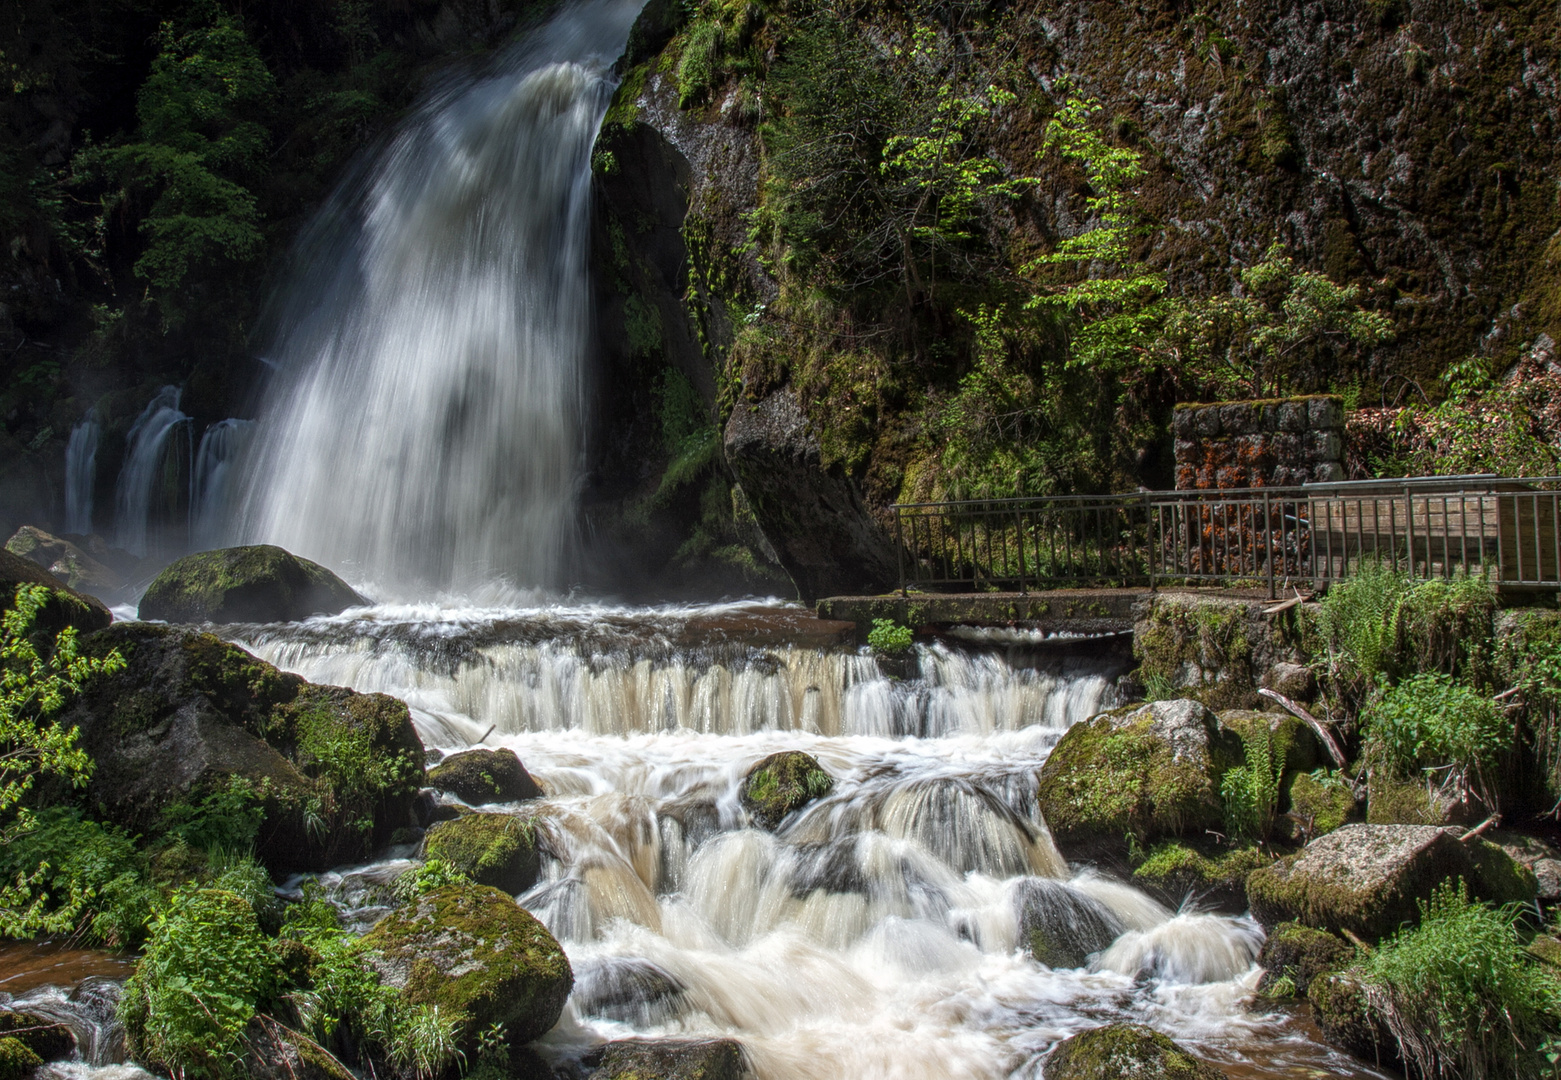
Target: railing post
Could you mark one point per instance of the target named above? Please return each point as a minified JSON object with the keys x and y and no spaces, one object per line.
{"x":1409,"y":527}
{"x":1024,"y":582}
{"x":899,"y":548}
{"x":1268,"y":548}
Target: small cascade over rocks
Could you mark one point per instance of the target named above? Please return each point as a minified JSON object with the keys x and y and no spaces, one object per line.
{"x":81,"y":461}
{"x":144,"y":475}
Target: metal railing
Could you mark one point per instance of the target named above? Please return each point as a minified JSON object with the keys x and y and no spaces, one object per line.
{"x":1506,"y":528}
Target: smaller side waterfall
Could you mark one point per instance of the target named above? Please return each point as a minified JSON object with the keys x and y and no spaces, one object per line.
{"x":81,"y":459}
{"x":145,"y":464}
{"x":211,"y":480}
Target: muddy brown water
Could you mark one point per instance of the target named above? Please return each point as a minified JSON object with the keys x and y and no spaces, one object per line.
{"x":28,"y":965}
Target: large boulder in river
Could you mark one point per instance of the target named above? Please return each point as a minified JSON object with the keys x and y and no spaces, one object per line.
{"x":669,"y":1059}
{"x":67,"y":562}
{"x":191,"y":718}
{"x":477,"y":955}
{"x":492,"y":849}
{"x":781,"y":784}
{"x":1116,"y":1051}
{"x":259,"y":584}
{"x":1060,"y":926}
{"x":66,"y":607}
{"x":1141,"y":772}
{"x":1370,"y":879}
{"x":479,"y":777}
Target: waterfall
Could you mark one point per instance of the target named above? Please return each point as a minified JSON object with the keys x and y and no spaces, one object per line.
{"x":146,"y":462}
{"x":426,"y":422}
{"x":81,"y":459}
{"x":211,"y":480}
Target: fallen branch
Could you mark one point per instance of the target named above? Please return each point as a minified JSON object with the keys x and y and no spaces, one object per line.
{"x":1507,"y":693}
{"x":485,"y":734}
{"x":1334,"y":750}
{"x":1283,"y":605}
{"x":1494,"y":819}
{"x":1359,"y":944}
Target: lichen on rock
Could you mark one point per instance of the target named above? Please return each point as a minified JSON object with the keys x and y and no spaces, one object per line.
{"x":258,"y":584}
{"x":492,"y":849}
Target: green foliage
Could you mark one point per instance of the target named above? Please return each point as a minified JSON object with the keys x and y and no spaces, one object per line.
{"x":1322,"y":800}
{"x":1431,"y":722}
{"x":1251,"y":790}
{"x":207,"y":969}
{"x":697,"y":65}
{"x":1360,"y":619}
{"x":1458,"y":994}
{"x":34,"y":688}
{"x":333,"y":748}
{"x":889,"y":637}
{"x":70,"y":875}
{"x":690,"y":439}
{"x":431,"y":875}
{"x":226,"y":818}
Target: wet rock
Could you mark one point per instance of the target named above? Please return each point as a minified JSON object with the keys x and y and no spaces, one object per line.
{"x":478,"y":777}
{"x":1122,"y":1050}
{"x":259,"y":584}
{"x":66,"y":607}
{"x":17,"y":1059}
{"x":190,"y":715}
{"x":1144,"y":772}
{"x":66,"y":561}
{"x":1368,"y":879}
{"x":781,"y":784}
{"x":1298,"y":954}
{"x":427,"y":810}
{"x":479,"y":956}
{"x":627,"y":989}
{"x":275,"y":1052}
{"x":815,"y":518}
{"x":492,"y":849}
{"x":1062,"y":927}
{"x":48,"y":1038}
{"x":669,"y":1059}
{"x":1339,"y":1007}
{"x":1210,"y":873}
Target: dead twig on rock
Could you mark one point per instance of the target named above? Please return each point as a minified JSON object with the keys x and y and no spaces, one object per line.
{"x":1334,"y":750}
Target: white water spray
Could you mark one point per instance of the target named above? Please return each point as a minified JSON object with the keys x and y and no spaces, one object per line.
{"x":146,"y":461}
{"x":81,"y":459}
{"x":211,"y":481}
{"x":427,"y":423}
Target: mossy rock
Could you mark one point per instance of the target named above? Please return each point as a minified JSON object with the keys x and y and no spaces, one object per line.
{"x":477,"y":955}
{"x":1546,"y":949}
{"x":1215,"y":876}
{"x":1139,"y":773}
{"x":1370,"y":879}
{"x":1062,"y":927}
{"x":1410,"y":802}
{"x":259,"y":584}
{"x":273,"y":1051}
{"x":66,"y":607}
{"x":780,"y":785}
{"x":17,"y":1059}
{"x":1324,"y":807}
{"x":479,"y":777}
{"x":1294,"y":955}
{"x":1203,"y":647}
{"x":669,"y":1059}
{"x":47,"y":1038}
{"x":1290,"y":739}
{"x":492,"y":849}
{"x":1339,"y":1007}
{"x":1124,"y":1050}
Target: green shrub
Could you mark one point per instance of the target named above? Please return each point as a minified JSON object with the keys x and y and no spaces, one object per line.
{"x":78,"y":876}
{"x":433,"y":874}
{"x":1251,"y":790}
{"x":207,"y":970}
{"x":1360,"y":618}
{"x":226,"y":818}
{"x":1431,"y":722}
{"x":1459,"y":995}
{"x":889,"y":637}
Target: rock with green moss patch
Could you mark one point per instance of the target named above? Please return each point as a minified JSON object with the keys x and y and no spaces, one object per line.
{"x":1138,"y":773}
{"x":17,"y":1059}
{"x":273,"y":1051}
{"x":1319,"y":806}
{"x":1060,"y":926}
{"x":479,"y":777}
{"x":258,"y":584}
{"x":782,"y":784}
{"x":477,"y":955}
{"x":1294,"y":955}
{"x":1370,"y":879}
{"x":66,"y":607}
{"x":1124,"y":1050}
{"x":49,"y":1039}
{"x":67,"y":562}
{"x":1342,"y":1015}
{"x":669,"y":1059}
{"x":492,"y":849}
{"x":1213,"y":875}
{"x":1289,"y":738}
{"x":1411,"y":802}
{"x":191,"y":719}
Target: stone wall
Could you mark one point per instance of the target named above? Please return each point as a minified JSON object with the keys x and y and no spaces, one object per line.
{"x":1272,"y":443}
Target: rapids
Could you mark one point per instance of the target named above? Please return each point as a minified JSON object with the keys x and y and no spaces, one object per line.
{"x":878,"y":933}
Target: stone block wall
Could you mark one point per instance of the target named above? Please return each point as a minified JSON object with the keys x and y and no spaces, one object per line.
{"x":1273,"y":443}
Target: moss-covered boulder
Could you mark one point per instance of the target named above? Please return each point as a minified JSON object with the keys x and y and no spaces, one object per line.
{"x":1391,"y":801}
{"x":258,"y":584}
{"x":1062,"y":927}
{"x":1342,"y":1015}
{"x":273,"y":1051}
{"x":1214,"y":875}
{"x":479,"y":956}
{"x":669,"y":1059}
{"x":17,"y":1059}
{"x":1370,"y":879}
{"x":479,"y":777}
{"x":1139,"y":773}
{"x":66,"y":607}
{"x":1289,"y":737}
{"x":1122,"y":1050}
{"x":193,"y":726}
{"x":1320,"y":803}
{"x":46,"y":1037}
{"x":492,"y":849}
{"x":782,"y":784}
{"x":1294,"y":955}
{"x":67,"y":562}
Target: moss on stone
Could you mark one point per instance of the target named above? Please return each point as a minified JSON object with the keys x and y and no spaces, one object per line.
{"x":478,"y":777}
{"x":1119,"y":1050}
{"x":47,"y":1038}
{"x":1294,"y":955}
{"x":1342,"y":1015}
{"x":17,"y":1059}
{"x":1324,"y":805}
{"x":478,"y":956}
{"x":781,"y":784}
{"x":1408,"y":802}
{"x":492,"y":849}
{"x":1175,"y":871}
{"x":261,"y":583}
{"x":1200,"y":646}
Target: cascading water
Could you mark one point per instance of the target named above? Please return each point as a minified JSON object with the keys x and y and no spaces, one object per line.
{"x":143,"y":474}
{"x":81,"y":459}
{"x":426,"y":425}
{"x":211,"y":480}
